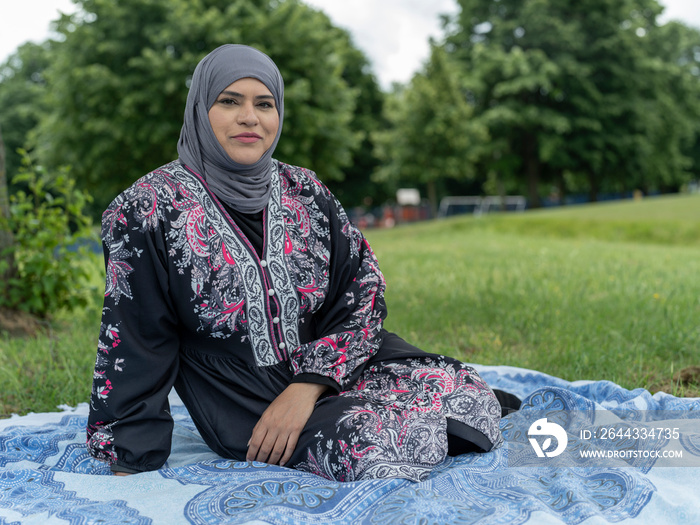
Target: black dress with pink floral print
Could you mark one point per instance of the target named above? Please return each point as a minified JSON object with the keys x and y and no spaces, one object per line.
{"x":230,"y":309}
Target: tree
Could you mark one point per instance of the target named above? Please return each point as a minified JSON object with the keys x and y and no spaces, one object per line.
{"x":677,"y":48}
{"x":508,"y":88}
{"x":572,"y":87}
{"x":357,"y":187}
{"x":22,"y":98}
{"x":118,"y":84}
{"x":7,"y":266}
{"x":432,"y":135}
{"x":4,"y":195}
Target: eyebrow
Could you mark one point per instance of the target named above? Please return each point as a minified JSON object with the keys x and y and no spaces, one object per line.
{"x":236,"y":94}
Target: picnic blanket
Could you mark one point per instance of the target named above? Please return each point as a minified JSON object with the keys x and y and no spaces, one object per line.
{"x":646,"y":470}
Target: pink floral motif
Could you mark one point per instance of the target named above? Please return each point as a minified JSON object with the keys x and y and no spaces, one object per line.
{"x":99,"y":441}
{"x":173,"y":246}
{"x":385,"y":442}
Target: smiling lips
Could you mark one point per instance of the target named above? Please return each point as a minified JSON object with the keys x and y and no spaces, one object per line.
{"x":247,"y":138}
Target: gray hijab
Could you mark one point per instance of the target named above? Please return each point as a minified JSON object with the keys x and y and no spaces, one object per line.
{"x":244,"y":187}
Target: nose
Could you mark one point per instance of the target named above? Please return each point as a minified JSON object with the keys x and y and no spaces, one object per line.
{"x":247,"y":115}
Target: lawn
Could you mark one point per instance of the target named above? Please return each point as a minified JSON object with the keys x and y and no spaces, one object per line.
{"x":55,"y":366}
{"x":606,"y":291}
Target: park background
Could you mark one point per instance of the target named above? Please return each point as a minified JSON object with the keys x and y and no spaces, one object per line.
{"x":561,"y":102}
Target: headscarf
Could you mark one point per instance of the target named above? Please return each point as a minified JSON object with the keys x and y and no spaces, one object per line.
{"x":244,"y":187}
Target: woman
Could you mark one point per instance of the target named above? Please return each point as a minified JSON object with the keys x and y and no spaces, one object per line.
{"x":239,"y":280}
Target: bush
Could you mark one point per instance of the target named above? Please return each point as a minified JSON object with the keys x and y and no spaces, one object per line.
{"x":52,"y":239}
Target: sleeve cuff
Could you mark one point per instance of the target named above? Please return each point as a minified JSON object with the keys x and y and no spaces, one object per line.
{"x":318,"y":379}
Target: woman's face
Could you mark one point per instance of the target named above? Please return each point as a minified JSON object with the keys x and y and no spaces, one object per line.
{"x":245,"y":120}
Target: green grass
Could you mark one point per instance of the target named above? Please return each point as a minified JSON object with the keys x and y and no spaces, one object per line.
{"x":658,"y":220}
{"x":674,"y":208}
{"x":581,"y":292}
{"x":607,"y":291}
{"x":54,"y":366}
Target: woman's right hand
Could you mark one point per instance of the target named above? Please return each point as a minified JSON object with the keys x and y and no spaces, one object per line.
{"x":276,"y":433}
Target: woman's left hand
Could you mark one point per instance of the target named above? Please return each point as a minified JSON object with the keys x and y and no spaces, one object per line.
{"x":276,"y":434}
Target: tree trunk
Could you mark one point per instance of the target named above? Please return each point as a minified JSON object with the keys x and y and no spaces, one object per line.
{"x":4,"y":197}
{"x":593,"y":187}
{"x":432,"y":197}
{"x":6,"y":238}
{"x":532,"y":169}
{"x":561,"y":186}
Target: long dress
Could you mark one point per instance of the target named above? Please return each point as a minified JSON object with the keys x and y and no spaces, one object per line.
{"x":229,"y":309}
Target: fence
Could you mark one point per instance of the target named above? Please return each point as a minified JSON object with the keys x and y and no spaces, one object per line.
{"x":479,"y":205}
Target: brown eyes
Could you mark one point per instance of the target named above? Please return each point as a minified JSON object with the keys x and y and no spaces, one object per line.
{"x":234,"y":102}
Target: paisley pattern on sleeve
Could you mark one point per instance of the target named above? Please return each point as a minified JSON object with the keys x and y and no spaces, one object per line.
{"x":328,"y":247}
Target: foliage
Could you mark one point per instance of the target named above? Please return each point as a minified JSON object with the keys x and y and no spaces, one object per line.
{"x":679,"y":45}
{"x":7,"y":266}
{"x":51,"y":236}
{"x":118,"y":84}
{"x":432,"y":136}
{"x":22,"y":98}
{"x":521,"y":96}
{"x":575,"y":95}
{"x":357,"y":187}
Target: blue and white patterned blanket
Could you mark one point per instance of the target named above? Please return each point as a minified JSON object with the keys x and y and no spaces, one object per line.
{"x":46,"y":476}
